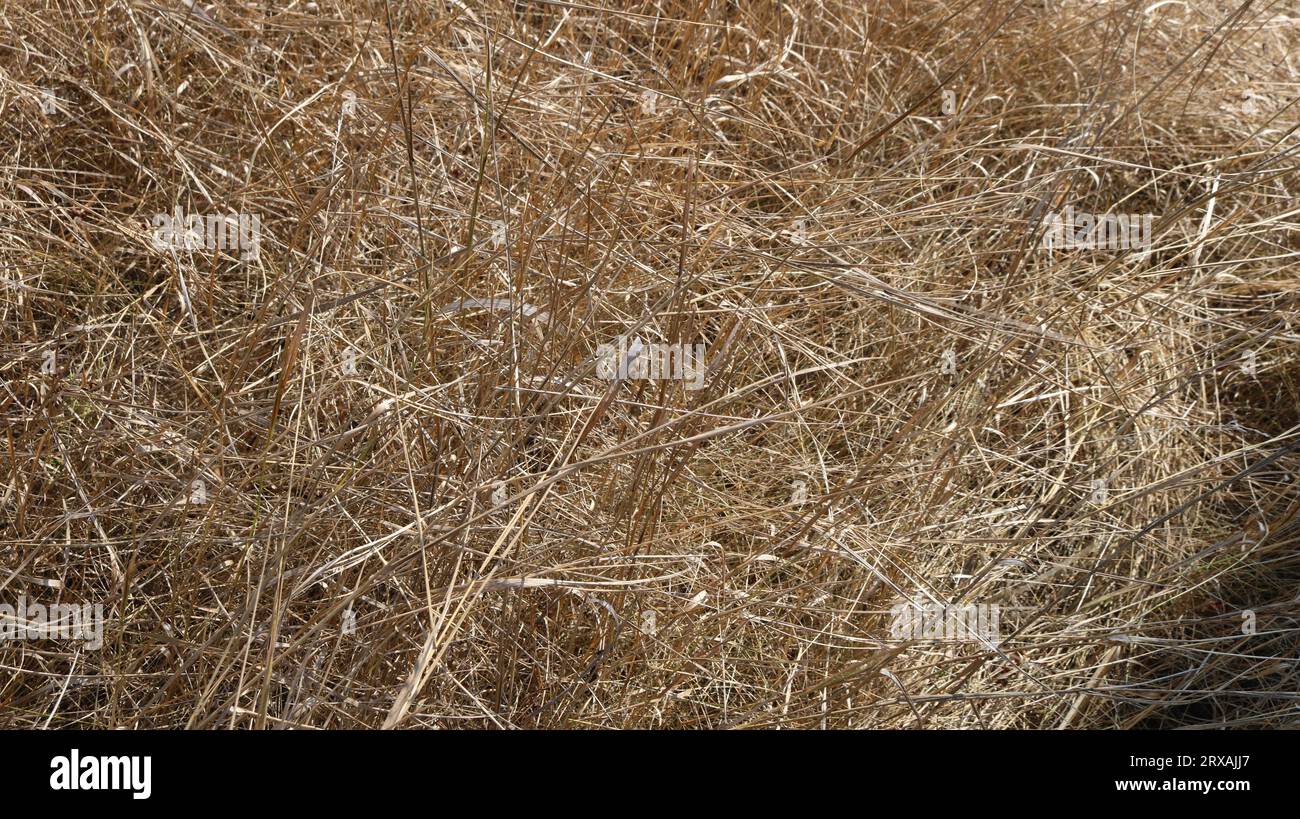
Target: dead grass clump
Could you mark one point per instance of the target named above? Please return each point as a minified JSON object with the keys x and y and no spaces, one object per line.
{"x":371,"y":476}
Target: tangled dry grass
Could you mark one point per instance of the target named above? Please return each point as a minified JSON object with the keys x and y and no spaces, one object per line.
{"x":420,"y":507}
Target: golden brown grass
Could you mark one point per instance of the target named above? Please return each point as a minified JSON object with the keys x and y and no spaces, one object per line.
{"x":791,"y":196}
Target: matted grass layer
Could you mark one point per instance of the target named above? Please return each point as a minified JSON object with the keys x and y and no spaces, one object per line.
{"x":371,"y":476}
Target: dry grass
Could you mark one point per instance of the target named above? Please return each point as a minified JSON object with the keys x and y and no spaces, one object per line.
{"x":524,"y":544}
